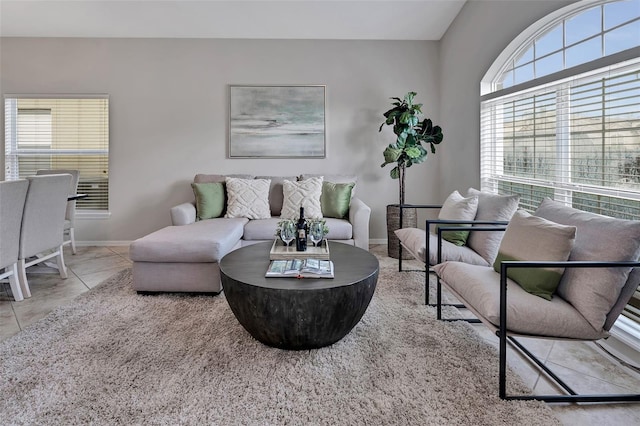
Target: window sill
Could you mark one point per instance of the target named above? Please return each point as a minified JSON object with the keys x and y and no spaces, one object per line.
{"x":90,"y":215}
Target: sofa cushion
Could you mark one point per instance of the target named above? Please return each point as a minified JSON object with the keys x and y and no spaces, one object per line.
{"x":305,"y":194}
{"x":335,"y":199}
{"x":261,"y":229}
{"x":339,"y":229}
{"x":210,"y":199}
{"x":594,"y":292}
{"x":248,"y":198}
{"x":276,"y":195}
{"x":204,"y":241}
{"x":457,"y":207}
{"x":491,"y":207}
{"x":535,"y":238}
{"x":414,"y":240}
{"x":479,"y":288}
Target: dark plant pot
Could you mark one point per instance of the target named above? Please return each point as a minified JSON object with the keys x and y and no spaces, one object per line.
{"x":409,"y":220}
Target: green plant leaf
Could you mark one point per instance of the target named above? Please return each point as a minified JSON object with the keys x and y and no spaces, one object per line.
{"x":413,"y":152}
{"x":395,"y":173}
{"x":408,"y":98}
{"x":402,"y":138}
{"x":391,"y":154}
{"x":422,"y":157}
{"x":405,"y":117}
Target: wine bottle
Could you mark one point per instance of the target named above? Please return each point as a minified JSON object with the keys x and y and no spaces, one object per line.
{"x":301,"y":238}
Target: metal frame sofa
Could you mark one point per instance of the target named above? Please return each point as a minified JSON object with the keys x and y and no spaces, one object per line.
{"x":487,"y":213}
{"x":184,"y":257}
{"x":560,"y":273}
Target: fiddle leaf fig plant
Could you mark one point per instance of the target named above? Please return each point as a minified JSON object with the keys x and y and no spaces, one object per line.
{"x":413,"y":135}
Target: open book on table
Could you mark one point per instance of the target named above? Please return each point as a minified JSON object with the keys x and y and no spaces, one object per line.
{"x":300,"y":268}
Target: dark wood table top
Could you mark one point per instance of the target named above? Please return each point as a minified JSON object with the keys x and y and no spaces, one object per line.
{"x":249,"y":264}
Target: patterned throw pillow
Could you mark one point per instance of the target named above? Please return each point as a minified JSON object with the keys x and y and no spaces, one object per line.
{"x":534,"y":238}
{"x":248,"y":198}
{"x":305,"y":193}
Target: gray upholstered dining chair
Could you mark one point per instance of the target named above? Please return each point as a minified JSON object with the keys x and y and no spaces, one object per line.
{"x":70,"y":215}
{"x":41,"y":235}
{"x":12,"y":196}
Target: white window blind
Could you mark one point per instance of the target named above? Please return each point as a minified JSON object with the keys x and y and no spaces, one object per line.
{"x":60,"y":133}
{"x":576,"y":141}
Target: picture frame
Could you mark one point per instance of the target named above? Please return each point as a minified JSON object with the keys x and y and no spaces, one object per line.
{"x":277,"y":121}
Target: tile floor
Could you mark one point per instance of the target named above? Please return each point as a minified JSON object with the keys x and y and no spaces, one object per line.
{"x":584,"y":365}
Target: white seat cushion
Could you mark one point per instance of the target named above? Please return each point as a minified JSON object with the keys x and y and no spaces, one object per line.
{"x":205,"y":241}
{"x":479,"y":287}
{"x":414,"y":240}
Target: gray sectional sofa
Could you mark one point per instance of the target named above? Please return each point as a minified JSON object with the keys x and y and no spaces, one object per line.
{"x":184,"y":257}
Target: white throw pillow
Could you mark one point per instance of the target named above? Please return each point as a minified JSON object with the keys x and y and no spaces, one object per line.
{"x":535,"y":238}
{"x":305,"y":193}
{"x":248,"y":198}
{"x":491,"y":207}
{"x":456,"y":207}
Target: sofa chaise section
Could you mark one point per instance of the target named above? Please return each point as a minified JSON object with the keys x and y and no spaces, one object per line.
{"x":184,"y":258}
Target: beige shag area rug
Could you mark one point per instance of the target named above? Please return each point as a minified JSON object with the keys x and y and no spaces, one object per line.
{"x":115,"y":357}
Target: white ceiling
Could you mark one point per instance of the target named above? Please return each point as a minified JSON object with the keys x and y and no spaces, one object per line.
{"x":292,"y":19}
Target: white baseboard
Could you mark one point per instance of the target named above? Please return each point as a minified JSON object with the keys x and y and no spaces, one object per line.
{"x":377,"y":241}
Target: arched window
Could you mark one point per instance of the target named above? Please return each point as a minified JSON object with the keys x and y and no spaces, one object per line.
{"x":560,"y":112}
{"x":585,"y":33}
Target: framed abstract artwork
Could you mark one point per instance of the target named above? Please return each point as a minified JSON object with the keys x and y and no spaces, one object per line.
{"x":277,"y":121}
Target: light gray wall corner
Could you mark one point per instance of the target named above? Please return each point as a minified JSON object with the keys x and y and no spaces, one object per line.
{"x":480,"y":32}
{"x":169,"y":112}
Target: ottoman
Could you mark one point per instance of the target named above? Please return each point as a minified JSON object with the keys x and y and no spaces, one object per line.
{"x":184,"y":258}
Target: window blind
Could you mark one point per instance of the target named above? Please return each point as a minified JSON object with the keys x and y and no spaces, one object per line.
{"x":576,"y":141}
{"x":60,"y":133}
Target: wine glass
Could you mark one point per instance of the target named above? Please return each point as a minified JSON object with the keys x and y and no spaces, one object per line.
{"x":316,"y":232}
{"x":287,"y":232}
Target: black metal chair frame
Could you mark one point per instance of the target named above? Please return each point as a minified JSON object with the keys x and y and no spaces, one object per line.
{"x":485,"y":225}
{"x":505,"y":336}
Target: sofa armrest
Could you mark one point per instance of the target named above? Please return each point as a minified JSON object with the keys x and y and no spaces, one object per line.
{"x":183,"y":214}
{"x":359,"y":214}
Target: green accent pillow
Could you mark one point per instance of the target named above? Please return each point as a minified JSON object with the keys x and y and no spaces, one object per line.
{"x":210,"y":199}
{"x":335,"y":199}
{"x":533,"y":238}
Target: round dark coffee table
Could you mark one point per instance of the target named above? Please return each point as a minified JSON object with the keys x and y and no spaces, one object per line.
{"x":291,"y":313}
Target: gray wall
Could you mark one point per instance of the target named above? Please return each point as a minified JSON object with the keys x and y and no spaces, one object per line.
{"x":169,"y":112}
{"x":480,"y":32}
{"x":169,"y":102}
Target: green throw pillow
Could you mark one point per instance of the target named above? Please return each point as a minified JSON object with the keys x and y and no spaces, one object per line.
{"x":210,"y":199}
{"x":335,"y":199}
{"x":533,"y":238}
